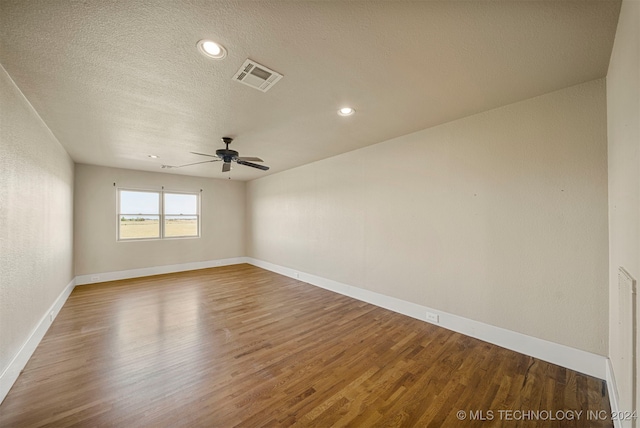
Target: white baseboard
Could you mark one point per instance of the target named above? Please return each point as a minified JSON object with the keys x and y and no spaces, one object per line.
{"x":571,"y":358}
{"x":612,"y":390}
{"x":11,"y":373}
{"x":564,"y":356}
{"x":155,"y":270}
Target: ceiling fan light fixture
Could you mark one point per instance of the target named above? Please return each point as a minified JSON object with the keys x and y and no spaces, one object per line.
{"x":211,"y":49}
{"x":346,"y":111}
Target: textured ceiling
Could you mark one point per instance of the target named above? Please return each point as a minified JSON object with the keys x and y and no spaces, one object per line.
{"x":119,"y":80}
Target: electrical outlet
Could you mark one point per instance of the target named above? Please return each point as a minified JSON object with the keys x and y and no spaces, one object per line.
{"x":95,"y":278}
{"x":51,"y":317}
{"x":434,"y":318}
{"x":297,"y":275}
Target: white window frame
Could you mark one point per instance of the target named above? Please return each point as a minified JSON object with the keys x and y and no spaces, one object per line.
{"x":163,"y":215}
{"x":160,"y":214}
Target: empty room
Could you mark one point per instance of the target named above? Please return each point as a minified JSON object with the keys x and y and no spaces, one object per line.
{"x":319,"y":213}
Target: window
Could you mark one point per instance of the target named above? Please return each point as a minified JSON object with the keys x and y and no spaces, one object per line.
{"x":144,"y":214}
{"x":139,"y":215}
{"x":180,"y":215}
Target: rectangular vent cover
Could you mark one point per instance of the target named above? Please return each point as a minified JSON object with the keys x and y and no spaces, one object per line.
{"x":257,"y":76}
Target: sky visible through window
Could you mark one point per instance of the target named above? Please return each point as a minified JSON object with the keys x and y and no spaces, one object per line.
{"x":141,"y":203}
{"x":175,"y":203}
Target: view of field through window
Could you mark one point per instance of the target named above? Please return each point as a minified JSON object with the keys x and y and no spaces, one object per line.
{"x":141,"y":214}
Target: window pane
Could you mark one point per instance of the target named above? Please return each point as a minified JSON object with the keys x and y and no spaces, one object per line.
{"x":132,"y":202}
{"x":180,"y":226}
{"x":177,"y":203}
{"x":139,"y":227}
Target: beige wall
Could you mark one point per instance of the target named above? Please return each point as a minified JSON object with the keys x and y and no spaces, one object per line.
{"x":97,"y":251}
{"x":36,"y":220}
{"x":500,"y":217}
{"x":623,"y":112}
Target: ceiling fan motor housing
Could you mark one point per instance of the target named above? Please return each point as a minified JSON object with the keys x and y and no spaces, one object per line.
{"x":226,"y":155}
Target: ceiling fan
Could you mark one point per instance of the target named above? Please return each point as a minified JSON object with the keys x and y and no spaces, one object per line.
{"x":227,"y":156}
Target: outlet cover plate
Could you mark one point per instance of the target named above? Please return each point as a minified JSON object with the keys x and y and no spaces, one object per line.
{"x":434,"y":318}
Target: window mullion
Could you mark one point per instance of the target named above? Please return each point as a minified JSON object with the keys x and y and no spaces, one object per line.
{"x":161,"y":201}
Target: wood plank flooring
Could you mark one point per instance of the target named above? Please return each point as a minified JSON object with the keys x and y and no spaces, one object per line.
{"x":241,"y":346}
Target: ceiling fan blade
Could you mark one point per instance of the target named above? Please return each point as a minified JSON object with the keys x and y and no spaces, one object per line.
{"x":204,"y":154}
{"x":250,"y":159}
{"x":189,"y":164}
{"x":253,"y":165}
{"x":226,"y":167}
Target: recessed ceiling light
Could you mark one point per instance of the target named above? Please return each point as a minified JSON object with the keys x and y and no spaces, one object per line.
{"x":154,"y":156}
{"x":211,"y":49}
{"x":346,"y":111}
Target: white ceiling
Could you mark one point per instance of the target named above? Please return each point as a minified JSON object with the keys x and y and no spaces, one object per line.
{"x":119,"y":80}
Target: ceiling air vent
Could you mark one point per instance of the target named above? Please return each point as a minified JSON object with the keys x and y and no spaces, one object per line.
{"x":257,"y":76}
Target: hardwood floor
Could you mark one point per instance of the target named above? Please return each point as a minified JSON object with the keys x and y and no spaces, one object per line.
{"x":241,"y":346}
